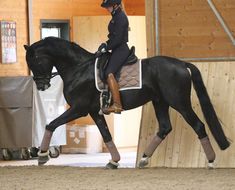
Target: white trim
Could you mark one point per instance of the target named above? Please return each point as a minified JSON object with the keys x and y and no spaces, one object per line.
{"x":122,"y":89}
{"x":30,"y":21}
{"x":157,"y":28}
{"x":114,"y":163}
{"x":43,"y":154}
{"x":208,"y":59}
{"x":96,"y":80}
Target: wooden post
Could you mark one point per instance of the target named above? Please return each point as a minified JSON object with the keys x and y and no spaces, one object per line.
{"x":148,"y":120}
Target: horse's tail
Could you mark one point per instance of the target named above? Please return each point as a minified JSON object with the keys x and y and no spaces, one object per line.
{"x":207,"y":108}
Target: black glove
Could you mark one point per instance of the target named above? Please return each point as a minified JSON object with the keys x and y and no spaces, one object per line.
{"x":98,"y":54}
{"x":103,"y":47}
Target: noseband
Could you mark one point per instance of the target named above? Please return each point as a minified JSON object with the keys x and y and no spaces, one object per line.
{"x":47,"y":77}
{"x":44,"y":78}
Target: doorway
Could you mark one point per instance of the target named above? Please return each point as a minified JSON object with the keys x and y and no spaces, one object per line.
{"x":55,"y":28}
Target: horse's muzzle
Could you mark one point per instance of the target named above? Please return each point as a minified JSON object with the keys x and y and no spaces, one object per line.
{"x":42,"y":85}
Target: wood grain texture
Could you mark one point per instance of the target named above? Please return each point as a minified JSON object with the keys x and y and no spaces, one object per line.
{"x":189,"y":29}
{"x":15,"y":11}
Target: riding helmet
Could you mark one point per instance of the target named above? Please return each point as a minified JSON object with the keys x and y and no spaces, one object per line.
{"x":110,"y":3}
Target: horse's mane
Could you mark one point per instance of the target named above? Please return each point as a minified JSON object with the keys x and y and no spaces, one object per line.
{"x":57,"y":46}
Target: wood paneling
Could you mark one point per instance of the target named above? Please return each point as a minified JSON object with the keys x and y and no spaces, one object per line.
{"x":135,"y":7}
{"x":16,"y":11}
{"x":182,"y":148}
{"x":53,"y":9}
{"x":67,"y":9}
{"x":148,"y":116}
{"x":189,"y":28}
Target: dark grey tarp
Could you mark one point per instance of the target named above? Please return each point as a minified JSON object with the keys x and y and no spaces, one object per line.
{"x":16,"y":102}
{"x":16,"y":92}
{"x":23,"y":112}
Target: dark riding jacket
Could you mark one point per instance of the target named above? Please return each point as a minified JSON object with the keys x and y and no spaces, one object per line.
{"x":117,"y":42}
{"x":118,"y":29}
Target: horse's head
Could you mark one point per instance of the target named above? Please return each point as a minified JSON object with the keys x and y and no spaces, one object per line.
{"x":41,"y":65}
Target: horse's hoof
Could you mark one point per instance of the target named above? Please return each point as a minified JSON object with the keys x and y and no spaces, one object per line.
{"x":211,"y":166}
{"x":112,"y":165}
{"x":143,"y":162}
{"x":43,"y":158}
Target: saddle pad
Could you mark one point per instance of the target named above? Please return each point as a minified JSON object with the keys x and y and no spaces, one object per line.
{"x":130,"y":77}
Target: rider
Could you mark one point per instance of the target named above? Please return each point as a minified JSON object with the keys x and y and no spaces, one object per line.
{"x":117,"y":43}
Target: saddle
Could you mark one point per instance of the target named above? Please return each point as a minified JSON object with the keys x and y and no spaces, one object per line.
{"x":104,"y":59}
{"x":129,"y":77}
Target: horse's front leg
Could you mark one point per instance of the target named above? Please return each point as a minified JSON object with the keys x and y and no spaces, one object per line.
{"x":107,"y":138}
{"x":69,"y":115}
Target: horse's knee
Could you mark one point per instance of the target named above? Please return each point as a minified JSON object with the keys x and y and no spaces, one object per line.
{"x":107,"y":138}
{"x":163,"y":132}
{"x":50,"y":128}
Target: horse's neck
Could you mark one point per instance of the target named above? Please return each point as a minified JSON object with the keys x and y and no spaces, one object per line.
{"x":72,"y":69}
{"x":69,"y":58}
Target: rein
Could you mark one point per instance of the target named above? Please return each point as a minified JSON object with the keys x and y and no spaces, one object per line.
{"x":54,"y":74}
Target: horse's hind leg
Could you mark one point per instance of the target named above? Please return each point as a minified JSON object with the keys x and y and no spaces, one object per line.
{"x":197,"y":125}
{"x":162,"y":112}
{"x":103,"y":128}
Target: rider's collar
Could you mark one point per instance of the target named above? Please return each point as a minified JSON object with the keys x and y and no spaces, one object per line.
{"x":116,"y":10}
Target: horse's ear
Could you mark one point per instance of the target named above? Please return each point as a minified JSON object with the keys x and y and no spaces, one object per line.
{"x":26,"y":47}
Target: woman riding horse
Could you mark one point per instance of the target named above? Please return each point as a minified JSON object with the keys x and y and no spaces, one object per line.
{"x":117,"y":43}
{"x":166,"y":82}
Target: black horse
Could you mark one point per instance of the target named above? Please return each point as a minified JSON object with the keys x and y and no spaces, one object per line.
{"x":166,"y":82}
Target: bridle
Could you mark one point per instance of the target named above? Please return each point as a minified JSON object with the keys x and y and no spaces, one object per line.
{"x":43,"y":79}
{"x":46,"y":78}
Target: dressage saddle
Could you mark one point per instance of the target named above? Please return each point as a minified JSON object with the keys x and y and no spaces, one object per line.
{"x":104,"y":59}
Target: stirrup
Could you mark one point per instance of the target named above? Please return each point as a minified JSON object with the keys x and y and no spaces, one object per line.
{"x":115,"y":108}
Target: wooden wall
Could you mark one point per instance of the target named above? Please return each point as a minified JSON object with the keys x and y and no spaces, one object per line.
{"x":189,"y":28}
{"x":64,"y":9}
{"x":53,"y":9}
{"x":182,"y":148}
{"x":15,"y":11}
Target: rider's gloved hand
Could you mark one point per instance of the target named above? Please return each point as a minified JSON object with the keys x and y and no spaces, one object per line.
{"x":103,"y":48}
